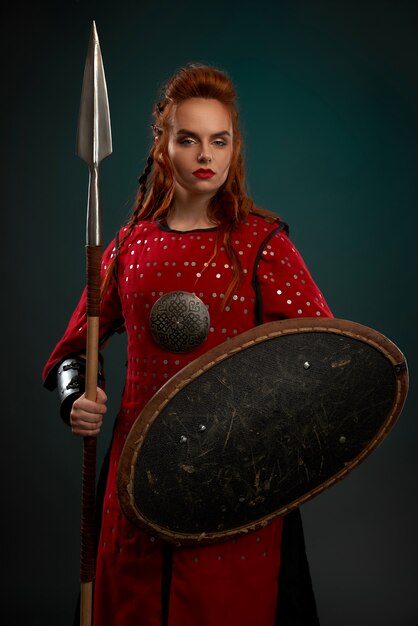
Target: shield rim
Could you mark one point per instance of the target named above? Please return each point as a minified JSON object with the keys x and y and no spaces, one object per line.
{"x":258,"y":334}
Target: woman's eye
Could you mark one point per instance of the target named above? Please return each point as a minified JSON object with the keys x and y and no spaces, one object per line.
{"x":187,"y":141}
{"x":219,"y":142}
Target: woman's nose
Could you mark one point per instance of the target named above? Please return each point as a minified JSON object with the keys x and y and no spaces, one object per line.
{"x":204,"y":157}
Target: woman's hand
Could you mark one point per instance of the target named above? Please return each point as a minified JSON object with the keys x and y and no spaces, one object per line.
{"x":86,"y":416}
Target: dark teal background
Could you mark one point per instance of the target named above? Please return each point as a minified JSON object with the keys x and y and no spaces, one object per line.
{"x":328,"y":98}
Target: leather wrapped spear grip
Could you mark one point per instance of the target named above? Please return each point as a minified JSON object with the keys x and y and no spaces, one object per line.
{"x":88,"y":530}
{"x":93,"y":259}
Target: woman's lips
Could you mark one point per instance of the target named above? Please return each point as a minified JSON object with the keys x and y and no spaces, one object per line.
{"x":202,"y":173}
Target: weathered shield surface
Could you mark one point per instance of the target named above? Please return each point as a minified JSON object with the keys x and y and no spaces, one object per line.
{"x":259,"y":425}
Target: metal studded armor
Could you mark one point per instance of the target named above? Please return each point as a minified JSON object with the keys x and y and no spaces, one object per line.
{"x":152,"y":262}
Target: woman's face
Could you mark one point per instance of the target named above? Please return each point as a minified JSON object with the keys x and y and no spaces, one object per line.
{"x":200,"y":145}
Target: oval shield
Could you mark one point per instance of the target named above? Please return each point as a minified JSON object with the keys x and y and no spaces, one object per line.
{"x":259,"y":425}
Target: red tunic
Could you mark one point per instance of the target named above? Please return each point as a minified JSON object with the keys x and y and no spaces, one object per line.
{"x":235,"y":582}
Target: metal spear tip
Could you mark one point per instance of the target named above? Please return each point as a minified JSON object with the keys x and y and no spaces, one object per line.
{"x":94,"y":135}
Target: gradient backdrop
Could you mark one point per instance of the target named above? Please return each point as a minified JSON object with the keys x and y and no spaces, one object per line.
{"x":328,"y":96}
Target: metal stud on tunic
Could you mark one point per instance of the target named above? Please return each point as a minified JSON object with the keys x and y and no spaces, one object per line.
{"x":179,"y":321}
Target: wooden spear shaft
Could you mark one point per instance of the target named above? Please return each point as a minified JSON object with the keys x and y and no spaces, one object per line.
{"x":88,"y":498}
{"x":94,"y":143}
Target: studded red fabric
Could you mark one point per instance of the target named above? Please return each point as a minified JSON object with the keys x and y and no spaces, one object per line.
{"x":232,"y":583}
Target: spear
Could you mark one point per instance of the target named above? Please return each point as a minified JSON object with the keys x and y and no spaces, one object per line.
{"x":94,"y":143}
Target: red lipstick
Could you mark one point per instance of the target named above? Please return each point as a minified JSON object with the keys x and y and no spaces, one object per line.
{"x":204,"y":173}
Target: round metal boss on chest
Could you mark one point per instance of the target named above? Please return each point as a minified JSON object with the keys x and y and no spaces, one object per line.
{"x":179,"y":321}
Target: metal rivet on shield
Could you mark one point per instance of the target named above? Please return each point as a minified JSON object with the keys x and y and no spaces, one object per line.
{"x":183,"y":439}
{"x":201,"y":428}
{"x":342,"y":439}
{"x":306,"y":365}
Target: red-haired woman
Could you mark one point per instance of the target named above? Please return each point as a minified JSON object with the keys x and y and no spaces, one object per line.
{"x":193,"y":229}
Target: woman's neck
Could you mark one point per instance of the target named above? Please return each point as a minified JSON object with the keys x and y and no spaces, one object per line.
{"x":189,"y":213}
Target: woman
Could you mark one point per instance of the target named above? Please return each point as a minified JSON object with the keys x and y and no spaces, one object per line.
{"x":193,"y":229}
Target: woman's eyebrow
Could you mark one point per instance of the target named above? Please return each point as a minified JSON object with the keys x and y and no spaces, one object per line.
{"x":223,"y":133}
{"x":184,"y":131}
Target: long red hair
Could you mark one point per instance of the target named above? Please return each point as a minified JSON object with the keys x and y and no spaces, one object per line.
{"x":230,"y":205}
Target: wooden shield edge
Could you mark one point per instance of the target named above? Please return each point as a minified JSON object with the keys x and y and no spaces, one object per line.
{"x":263,"y":332}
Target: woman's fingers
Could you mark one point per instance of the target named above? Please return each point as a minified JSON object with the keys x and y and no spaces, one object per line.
{"x":101,"y":397}
{"x":86,"y":416}
{"x":85,"y":428}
